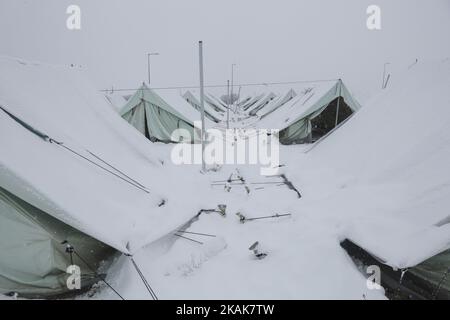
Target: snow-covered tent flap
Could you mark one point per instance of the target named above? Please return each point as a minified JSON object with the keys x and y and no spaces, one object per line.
{"x":156,"y":119}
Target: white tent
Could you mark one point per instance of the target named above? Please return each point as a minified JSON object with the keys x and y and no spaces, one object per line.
{"x":251,"y":102}
{"x":267,"y":99}
{"x":67,"y":155}
{"x":215,"y":103}
{"x":281,"y":101}
{"x":209,"y":111}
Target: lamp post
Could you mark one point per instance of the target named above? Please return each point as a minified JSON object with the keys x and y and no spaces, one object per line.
{"x":384,"y":74}
{"x":148,"y":63}
{"x":232,"y":83}
{"x":228,"y":104}
{"x":202,"y":102}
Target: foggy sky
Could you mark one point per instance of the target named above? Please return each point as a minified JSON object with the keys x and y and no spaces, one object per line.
{"x":277,"y":40}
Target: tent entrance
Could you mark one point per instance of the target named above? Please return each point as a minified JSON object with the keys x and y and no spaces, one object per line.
{"x":146,"y":130}
{"x":326,"y":120}
{"x":425,"y":281}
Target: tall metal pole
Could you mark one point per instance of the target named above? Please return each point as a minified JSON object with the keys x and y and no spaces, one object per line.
{"x":228,"y":104}
{"x":202,"y":102}
{"x":148,"y":68}
{"x":148,"y":63}
{"x":384,"y":75}
{"x":232,"y":81}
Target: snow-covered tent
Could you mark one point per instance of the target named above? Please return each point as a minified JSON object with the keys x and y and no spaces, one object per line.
{"x":156,"y":119}
{"x":177,"y":101}
{"x":242,"y":102}
{"x":72,"y":170}
{"x":252,"y":101}
{"x":271,"y":107}
{"x":210,"y":113}
{"x":391,"y":183}
{"x":261,"y":103}
{"x":215,"y":103}
{"x":312,"y":113}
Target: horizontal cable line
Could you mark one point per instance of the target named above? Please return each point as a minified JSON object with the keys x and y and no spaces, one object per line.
{"x":224,"y":85}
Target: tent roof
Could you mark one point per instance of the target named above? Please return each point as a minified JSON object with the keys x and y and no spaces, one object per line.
{"x":60,"y":102}
{"x":253,"y":100}
{"x":150,"y":96}
{"x":178,"y":102}
{"x":191,"y":96}
{"x":209,"y":98}
{"x":264,"y":100}
{"x":311,"y":97}
{"x":278,"y":102}
{"x":393,"y":155}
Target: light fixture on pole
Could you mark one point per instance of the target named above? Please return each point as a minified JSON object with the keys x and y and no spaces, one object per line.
{"x":148,"y":63}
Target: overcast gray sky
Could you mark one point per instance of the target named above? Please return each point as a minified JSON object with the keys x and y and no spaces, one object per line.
{"x":276,"y":40}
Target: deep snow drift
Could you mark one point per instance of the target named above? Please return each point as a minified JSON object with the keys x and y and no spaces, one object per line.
{"x":384,"y":174}
{"x":381,"y":179}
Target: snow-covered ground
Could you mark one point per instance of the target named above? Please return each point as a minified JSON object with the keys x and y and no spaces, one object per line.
{"x":381,"y":179}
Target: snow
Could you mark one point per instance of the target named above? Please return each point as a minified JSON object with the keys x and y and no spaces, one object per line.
{"x":60,"y":102}
{"x":385,"y":173}
{"x":116,"y":100}
{"x":381,"y":179}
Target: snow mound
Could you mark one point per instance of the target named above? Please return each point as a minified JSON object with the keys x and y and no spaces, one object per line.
{"x":387,"y":168}
{"x":59,"y":102}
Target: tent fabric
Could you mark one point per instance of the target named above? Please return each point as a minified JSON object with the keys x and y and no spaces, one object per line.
{"x":33,"y":260}
{"x":210,"y":113}
{"x":61,"y":103}
{"x":252,"y":101}
{"x":291,"y":94}
{"x":261,"y":104}
{"x":432,"y":271}
{"x":293,"y":119}
{"x":153,"y":116}
{"x":214,"y":103}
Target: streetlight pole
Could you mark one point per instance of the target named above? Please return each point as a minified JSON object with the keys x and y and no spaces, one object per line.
{"x":228,"y":104}
{"x":148,"y":63}
{"x":202,"y":102}
{"x":232,"y":82}
{"x":384,"y":74}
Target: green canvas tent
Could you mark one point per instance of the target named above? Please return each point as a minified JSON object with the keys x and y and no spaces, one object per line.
{"x":156,"y":119}
{"x":314,"y":112}
{"x":426,"y":280}
{"x":92,"y":181}
{"x":33,"y":256}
